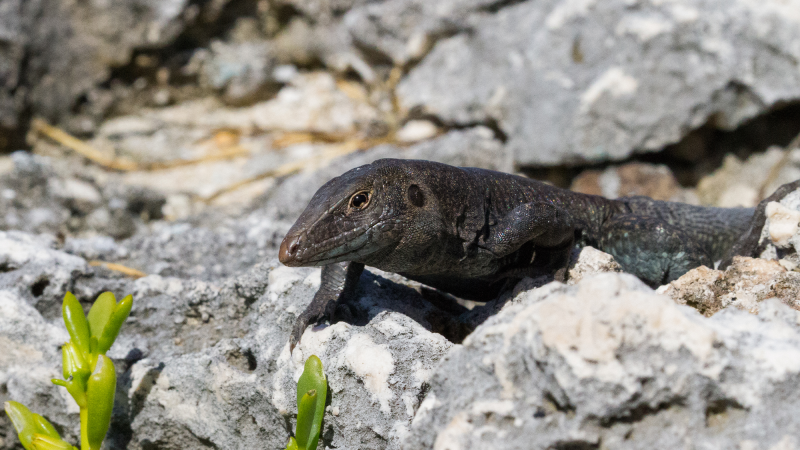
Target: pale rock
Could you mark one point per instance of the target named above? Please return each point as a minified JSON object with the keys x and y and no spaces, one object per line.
{"x":743,"y":285}
{"x":783,"y":223}
{"x":610,"y":363}
{"x":589,"y":261}
{"x":416,"y":130}
{"x":37,"y":272}
{"x":571,"y":81}
{"x":737,"y":183}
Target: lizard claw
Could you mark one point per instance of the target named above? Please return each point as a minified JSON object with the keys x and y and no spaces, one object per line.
{"x":300,"y":325}
{"x":314,"y":314}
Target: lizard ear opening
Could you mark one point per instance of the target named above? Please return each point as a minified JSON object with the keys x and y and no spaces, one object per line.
{"x":415,"y":196}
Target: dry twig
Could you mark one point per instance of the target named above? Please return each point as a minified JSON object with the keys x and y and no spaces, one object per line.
{"x":295,"y":166}
{"x":100,"y":158}
{"x":128,"y":271}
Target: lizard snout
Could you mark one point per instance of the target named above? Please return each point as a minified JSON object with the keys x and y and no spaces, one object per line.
{"x":288,"y":251}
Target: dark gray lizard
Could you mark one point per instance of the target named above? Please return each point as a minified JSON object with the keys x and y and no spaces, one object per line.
{"x":469,"y":231}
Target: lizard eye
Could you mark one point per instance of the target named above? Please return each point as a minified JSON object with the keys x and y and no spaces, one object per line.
{"x":360,"y":200}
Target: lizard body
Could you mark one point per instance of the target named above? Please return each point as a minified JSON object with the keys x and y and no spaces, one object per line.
{"x":468,"y":231}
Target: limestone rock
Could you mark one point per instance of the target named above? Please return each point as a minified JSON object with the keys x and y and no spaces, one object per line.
{"x":589,"y":261}
{"x":377,"y":376}
{"x":609,"y":363}
{"x":241,"y":392}
{"x":627,"y":180}
{"x":743,"y":285}
{"x":570,"y":81}
{"x":35,"y":271}
{"x":242,"y":71}
{"x":781,"y":234}
{"x":57,"y":50}
{"x":739,"y":183}
{"x":43,"y":197}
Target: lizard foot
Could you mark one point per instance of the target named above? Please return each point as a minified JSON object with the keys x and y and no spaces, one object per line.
{"x":315,"y":312}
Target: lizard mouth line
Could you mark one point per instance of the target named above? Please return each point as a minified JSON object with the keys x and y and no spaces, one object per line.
{"x":352,"y":245}
{"x":340,"y":257}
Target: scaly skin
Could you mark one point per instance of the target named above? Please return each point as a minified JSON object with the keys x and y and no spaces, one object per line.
{"x":468,"y":231}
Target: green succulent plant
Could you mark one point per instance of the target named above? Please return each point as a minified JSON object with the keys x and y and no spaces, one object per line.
{"x":312,"y":389}
{"x":89,"y":375}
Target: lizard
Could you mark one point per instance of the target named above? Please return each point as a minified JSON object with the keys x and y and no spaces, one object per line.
{"x":470,"y":231}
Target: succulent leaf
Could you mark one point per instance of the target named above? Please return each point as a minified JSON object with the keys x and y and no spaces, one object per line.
{"x":100,"y":401}
{"x":100,"y":313}
{"x":43,"y":442}
{"x":43,"y":427}
{"x":115,"y":321}
{"x":305,"y":421}
{"x":76,"y":323}
{"x":22,"y":419}
{"x":73,"y":362}
{"x":292,"y":445}
{"x":313,"y":378}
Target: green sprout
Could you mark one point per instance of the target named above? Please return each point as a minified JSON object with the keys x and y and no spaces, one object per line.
{"x":312,"y":389}
{"x":89,"y":375}
{"x":34,"y":431}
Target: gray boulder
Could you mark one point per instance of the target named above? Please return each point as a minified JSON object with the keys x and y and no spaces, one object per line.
{"x":608,"y":363}
{"x":55,"y":51}
{"x":33,"y":270}
{"x":241,"y":392}
{"x":39,"y":196}
{"x":572,"y":81}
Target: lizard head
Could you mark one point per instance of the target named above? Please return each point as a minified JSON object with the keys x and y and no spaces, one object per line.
{"x":358,"y":216}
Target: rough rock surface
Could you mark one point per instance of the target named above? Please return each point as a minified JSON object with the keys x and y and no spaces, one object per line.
{"x":39,"y":196}
{"x":743,"y":285}
{"x":54,"y":51}
{"x":31,"y":268}
{"x":607,"y":363}
{"x":195,"y":351}
{"x":243,"y":71}
{"x":571,"y":81}
{"x":589,"y":261}
{"x":240,"y":392}
{"x":744,"y":183}
{"x":627,"y":180}
{"x":781,"y":234}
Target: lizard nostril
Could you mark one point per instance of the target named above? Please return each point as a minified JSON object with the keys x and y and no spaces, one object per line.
{"x":288,"y":249}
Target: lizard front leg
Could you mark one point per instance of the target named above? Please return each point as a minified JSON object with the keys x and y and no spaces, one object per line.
{"x":543,"y":224}
{"x":338,"y":282}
